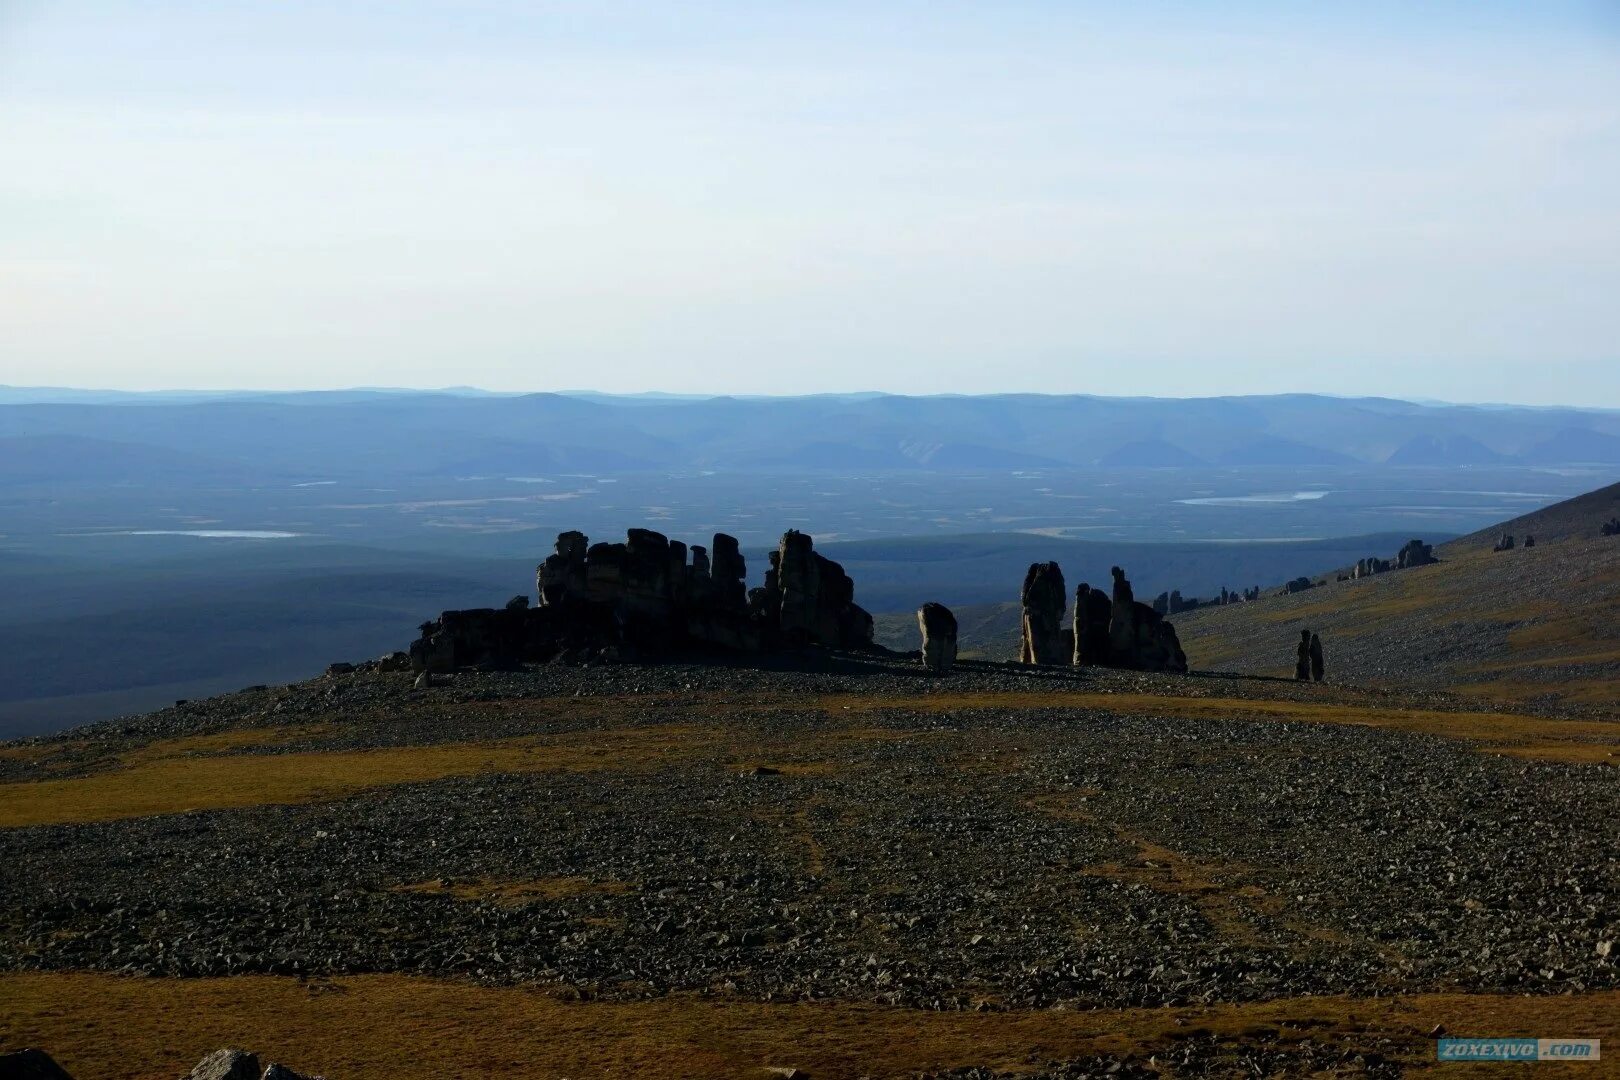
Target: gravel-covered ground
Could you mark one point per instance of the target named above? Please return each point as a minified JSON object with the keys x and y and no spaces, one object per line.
{"x":852,"y":837}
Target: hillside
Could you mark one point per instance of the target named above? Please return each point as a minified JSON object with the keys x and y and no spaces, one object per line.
{"x":1577,"y":518}
{"x":1526,"y":625}
{"x":835,"y":865}
{"x":846,"y":869}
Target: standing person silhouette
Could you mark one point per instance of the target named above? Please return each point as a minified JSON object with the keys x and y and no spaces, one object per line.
{"x":1302,"y":665}
{"x":1316,"y":659}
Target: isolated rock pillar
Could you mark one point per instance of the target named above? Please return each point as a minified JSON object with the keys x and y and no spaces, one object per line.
{"x":1044,"y":599}
{"x":938,"y":628}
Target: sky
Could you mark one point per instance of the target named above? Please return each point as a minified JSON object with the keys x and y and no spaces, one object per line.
{"x":1417,"y":199}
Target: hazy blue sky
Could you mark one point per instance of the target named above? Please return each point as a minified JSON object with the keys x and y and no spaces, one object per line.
{"x":1418,"y":199}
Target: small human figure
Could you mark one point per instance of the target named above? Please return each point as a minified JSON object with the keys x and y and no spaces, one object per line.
{"x":1302,"y":665}
{"x":1316,"y":659}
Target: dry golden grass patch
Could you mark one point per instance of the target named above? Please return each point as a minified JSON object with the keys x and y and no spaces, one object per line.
{"x":50,"y":757}
{"x":519,"y":892}
{"x":164,"y":783}
{"x":389,"y":1026}
{"x":178,"y":775}
{"x":1566,"y":691}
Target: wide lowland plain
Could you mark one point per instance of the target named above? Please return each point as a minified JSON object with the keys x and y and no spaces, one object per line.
{"x":157,"y":548}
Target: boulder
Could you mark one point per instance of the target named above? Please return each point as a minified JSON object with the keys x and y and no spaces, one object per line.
{"x":277,"y":1071}
{"x":1504,"y":543}
{"x":938,"y":628}
{"x":31,"y":1065}
{"x":1043,"y":597}
{"x":226,"y":1065}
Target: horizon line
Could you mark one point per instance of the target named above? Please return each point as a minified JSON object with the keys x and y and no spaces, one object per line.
{"x":697,"y":396}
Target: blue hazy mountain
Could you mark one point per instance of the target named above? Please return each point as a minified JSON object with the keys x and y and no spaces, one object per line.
{"x":1575,"y":444}
{"x":1444,"y":450}
{"x":403,"y":433}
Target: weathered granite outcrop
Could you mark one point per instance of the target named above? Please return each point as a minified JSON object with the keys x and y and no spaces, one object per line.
{"x":938,"y":628}
{"x":1415,"y":553}
{"x":1504,"y":543}
{"x":1092,"y":608}
{"x":652,"y":596}
{"x":1412,"y":554}
{"x":808,"y":599}
{"x":1139,"y":637}
{"x":226,"y":1065}
{"x":1044,"y":599}
{"x":1369,"y":566}
{"x":31,"y":1064}
{"x":1117,"y":630}
{"x":1173,"y":603}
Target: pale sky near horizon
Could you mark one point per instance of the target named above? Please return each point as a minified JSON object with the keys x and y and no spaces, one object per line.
{"x":1419,"y":200}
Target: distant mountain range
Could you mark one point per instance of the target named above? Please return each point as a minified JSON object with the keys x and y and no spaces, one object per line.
{"x":63,"y":436}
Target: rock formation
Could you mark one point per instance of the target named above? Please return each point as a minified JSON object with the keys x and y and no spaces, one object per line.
{"x":1302,"y":657}
{"x":1299,"y":584}
{"x":562,"y":576}
{"x":1173,"y":603}
{"x":1415,"y":553}
{"x":1318,"y":665}
{"x":798,"y":571}
{"x":729,"y":573}
{"x":1610,"y":527}
{"x":1529,"y":541}
{"x":1505,"y":543}
{"x":226,"y":1065}
{"x":938,"y":628}
{"x":1120,"y":631}
{"x":1044,"y":600}
{"x":1138,"y":636}
{"x":1091,"y":610}
{"x":220,"y":1065}
{"x":652,"y":596}
{"x":31,"y":1065}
